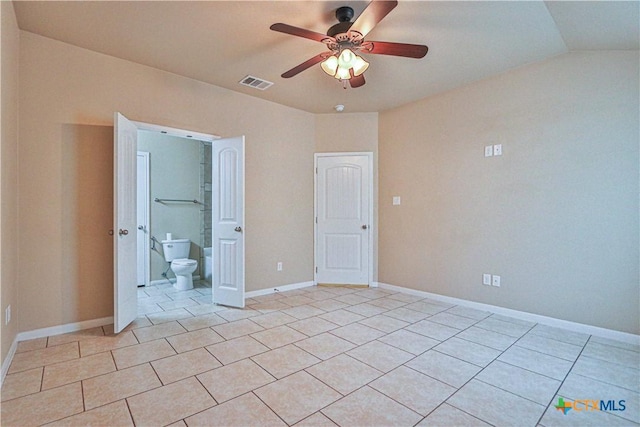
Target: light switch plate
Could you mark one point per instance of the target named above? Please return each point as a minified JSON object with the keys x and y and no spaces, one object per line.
{"x":488,"y":151}
{"x":496,"y":281}
{"x":486,"y":279}
{"x":396,"y":200}
{"x":497,"y":150}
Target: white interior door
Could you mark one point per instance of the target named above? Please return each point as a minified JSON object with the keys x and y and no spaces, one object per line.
{"x":142,"y":213}
{"x":125,"y":293}
{"x":343,"y":198}
{"x":228,"y":221}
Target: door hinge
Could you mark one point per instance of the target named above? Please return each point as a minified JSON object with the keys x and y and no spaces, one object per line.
{"x":316,"y":269}
{"x":316,"y":171}
{"x":316,"y":220}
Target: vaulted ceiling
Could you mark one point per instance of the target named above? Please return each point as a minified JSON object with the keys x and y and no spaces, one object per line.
{"x":220,"y":42}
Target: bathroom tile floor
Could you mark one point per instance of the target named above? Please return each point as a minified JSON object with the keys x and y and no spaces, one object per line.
{"x":319,"y":356}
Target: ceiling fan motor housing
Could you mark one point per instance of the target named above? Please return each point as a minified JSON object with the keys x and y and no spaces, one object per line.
{"x":344,"y":15}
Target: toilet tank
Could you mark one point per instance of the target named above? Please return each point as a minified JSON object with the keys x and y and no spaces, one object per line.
{"x":176,"y":249}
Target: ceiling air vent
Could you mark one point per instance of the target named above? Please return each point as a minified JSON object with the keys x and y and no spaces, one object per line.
{"x":256,"y":83}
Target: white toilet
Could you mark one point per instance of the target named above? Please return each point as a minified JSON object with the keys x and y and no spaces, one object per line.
{"x":177,"y":253}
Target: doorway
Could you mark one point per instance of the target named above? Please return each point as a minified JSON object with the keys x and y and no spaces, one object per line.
{"x":343,"y":217}
{"x":227,"y":224}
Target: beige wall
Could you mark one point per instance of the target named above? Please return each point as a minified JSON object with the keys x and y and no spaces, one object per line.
{"x":9,"y":51}
{"x":174,"y":165}
{"x":556,"y":216}
{"x":64,"y":86}
{"x":353,"y":132}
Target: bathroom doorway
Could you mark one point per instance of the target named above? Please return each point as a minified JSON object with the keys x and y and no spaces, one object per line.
{"x":179,"y":201}
{"x":225,"y":223}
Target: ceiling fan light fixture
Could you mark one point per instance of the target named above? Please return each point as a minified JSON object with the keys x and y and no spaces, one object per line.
{"x":339,"y":65}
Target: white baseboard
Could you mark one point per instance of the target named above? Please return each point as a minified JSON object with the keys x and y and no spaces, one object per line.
{"x":537,"y":318}
{"x":282,"y":288}
{"x":45,"y":332}
{"x":8,"y":360}
{"x":63,"y":329}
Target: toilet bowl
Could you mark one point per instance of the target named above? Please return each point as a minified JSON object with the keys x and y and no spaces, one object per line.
{"x":176,"y":252}
{"x":183,"y":268}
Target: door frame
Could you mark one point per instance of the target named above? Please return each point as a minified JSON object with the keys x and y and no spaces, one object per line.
{"x":369,"y":156}
{"x":147,"y":192}
{"x":116,"y":202}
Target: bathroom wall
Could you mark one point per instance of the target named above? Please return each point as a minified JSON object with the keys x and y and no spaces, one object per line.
{"x":174,"y":165}
{"x":61,"y":84}
{"x":205,"y":196}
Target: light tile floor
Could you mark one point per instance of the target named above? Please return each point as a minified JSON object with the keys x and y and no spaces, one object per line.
{"x":319,"y":356}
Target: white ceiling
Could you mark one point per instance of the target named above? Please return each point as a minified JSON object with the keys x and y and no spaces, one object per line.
{"x":220,"y":42}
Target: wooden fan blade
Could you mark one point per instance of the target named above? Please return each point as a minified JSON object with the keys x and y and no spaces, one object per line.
{"x":306,"y":64}
{"x":371,"y":15}
{"x":357,"y":81}
{"x":300,"y":32}
{"x":395,"y":49}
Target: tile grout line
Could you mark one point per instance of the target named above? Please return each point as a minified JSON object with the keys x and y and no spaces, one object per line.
{"x":563,"y":380}
{"x":477,"y":373}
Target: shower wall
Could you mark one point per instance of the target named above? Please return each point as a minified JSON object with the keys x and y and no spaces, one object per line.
{"x":205,"y":196}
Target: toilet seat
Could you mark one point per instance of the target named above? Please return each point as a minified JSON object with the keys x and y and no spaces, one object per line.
{"x":184,"y":262}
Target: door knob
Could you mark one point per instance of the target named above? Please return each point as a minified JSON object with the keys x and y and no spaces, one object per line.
{"x":123,"y":232}
{"x":364,"y":227}
{"x":238,"y":229}
{"x":141,"y":227}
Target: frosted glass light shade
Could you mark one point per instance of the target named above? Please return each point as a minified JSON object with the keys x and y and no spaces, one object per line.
{"x":330,"y":65}
{"x":346,"y":58}
{"x":342,"y":74}
{"x":359,"y":66}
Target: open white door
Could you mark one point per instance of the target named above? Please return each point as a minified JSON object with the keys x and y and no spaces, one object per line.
{"x":125,"y":292}
{"x":228,"y":221}
{"x":343,"y":212}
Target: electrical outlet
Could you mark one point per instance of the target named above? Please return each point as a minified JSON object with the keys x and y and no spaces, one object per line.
{"x":486,"y":279}
{"x":497,"y":150}
{"x":496,"y":281}
{"x":488,"y":151}
{"x":279,"y":266}
{"x":7,"y":315}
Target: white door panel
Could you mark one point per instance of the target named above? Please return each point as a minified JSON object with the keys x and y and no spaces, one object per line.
{"x":228,"y":221}
{"x":125,"y":292}
{"x":343,"y":223}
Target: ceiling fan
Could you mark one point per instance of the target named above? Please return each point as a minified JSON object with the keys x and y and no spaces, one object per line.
{"x":345,"y":39}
